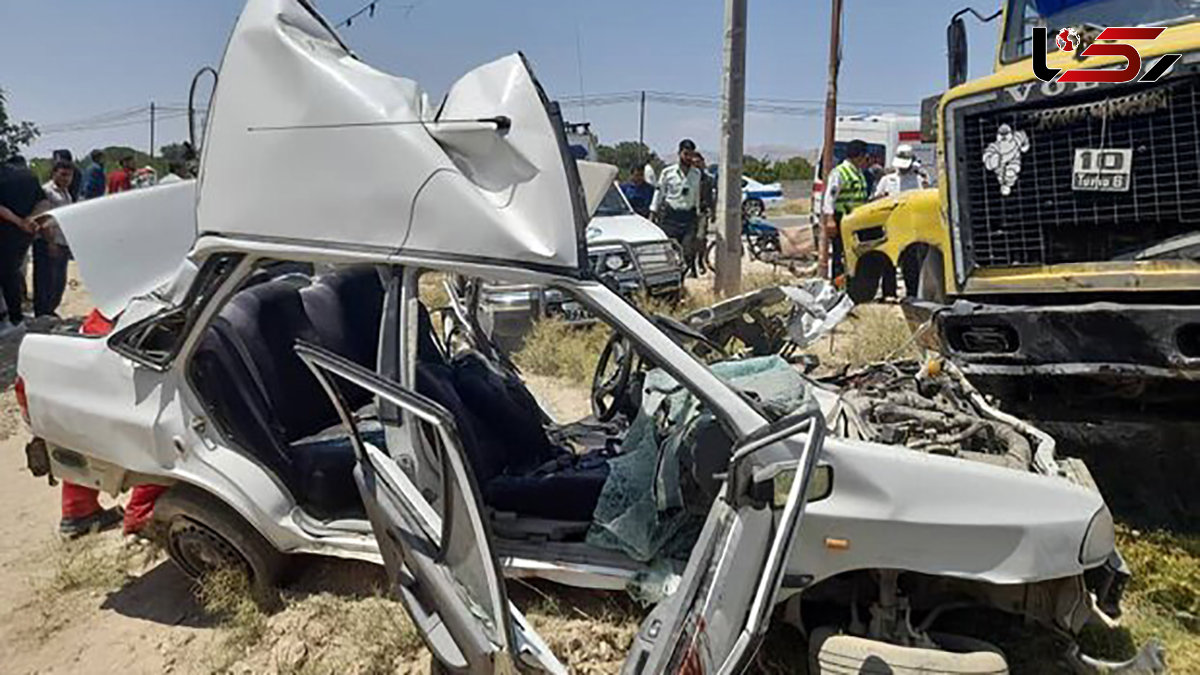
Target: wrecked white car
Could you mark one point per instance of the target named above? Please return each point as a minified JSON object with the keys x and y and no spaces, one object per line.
{"x":287,"y":383}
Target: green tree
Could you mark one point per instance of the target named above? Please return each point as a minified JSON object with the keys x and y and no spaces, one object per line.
{"x":794,"y":168}
{"x":626,"y":155}
{"x":761,"y":170}
{"x":173,"y":152}
{"x":13,"y":135}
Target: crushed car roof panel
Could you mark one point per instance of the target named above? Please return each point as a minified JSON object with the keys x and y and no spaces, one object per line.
{"x":307,"y":143}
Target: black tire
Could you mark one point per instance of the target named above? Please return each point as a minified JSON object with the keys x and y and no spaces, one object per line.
{"x":753,"y":208}
{"x":911,"y":262}
{"x":864,"y":285}
{"x":202,"y":534}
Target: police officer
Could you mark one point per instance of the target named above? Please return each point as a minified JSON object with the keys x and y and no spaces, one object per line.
{"x":845,"y":190}
{"x":676,"y":202}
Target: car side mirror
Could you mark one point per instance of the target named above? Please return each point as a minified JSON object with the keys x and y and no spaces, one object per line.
{"x":956,"y":51}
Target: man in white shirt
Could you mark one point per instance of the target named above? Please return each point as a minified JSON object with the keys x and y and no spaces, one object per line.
{"x":677,"y":199}
{"x":50,"y":252}
{"x":907,"y":175}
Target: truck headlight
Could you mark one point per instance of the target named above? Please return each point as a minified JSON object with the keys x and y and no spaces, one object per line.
{"x":1100,"y":539}
{"x":819,"y":487}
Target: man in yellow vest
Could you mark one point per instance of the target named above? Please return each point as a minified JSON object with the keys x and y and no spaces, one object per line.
{"x":845,"y":190}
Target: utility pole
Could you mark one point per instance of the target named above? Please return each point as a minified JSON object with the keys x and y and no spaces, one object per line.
{"x":642,"y":127}
{"x":151,"y":129}
{"x":835,"y":59}
{"x":728,"y":279}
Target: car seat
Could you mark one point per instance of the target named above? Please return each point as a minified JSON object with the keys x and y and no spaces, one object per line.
{"x":264,"y":396}
{"x":503,"y":433}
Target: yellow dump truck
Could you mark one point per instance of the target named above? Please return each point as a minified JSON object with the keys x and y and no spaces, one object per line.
{"x":1069,"y":290}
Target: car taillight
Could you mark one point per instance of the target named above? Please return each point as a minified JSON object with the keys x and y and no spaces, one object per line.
{"x":22,"y":400}
{"x":818,"y":187}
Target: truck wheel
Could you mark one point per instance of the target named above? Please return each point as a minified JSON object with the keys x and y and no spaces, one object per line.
{"x":911,"y":262}
{"x":753,"y":208}
{"x":201,"y":535}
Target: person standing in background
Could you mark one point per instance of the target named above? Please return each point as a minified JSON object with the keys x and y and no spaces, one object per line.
{"x":707,"y":214}
{"x":638,"y":191}
{"x":21,"y":198}
{"x":76,"y":184}
{"x":50,"y":252}
{"x":675,"y":203}
{"x":845,"y":190}
{"x":121,"y":179}
{"x":93,"y":177}
{"x":907,"y":175}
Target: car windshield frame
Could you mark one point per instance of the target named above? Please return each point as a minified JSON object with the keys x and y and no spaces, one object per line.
{"x":1017,"y":37}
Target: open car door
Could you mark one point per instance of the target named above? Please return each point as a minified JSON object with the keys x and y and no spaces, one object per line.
{"x":438,"y":551}
{"x":440,"y":562}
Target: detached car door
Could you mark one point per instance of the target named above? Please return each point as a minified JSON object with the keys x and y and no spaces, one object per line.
{"x":440,"y":560}
{"x":437,"y":551}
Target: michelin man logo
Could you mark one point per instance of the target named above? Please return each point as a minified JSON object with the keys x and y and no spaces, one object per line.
{"x":1003,"y":156}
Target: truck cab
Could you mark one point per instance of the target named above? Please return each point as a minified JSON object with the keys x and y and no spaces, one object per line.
{"x":1063,"y":292}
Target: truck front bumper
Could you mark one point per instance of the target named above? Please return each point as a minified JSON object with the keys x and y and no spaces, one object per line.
{"x":1105,"y":340}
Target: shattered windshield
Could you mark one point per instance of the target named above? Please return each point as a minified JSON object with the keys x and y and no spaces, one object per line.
{"x":1024,"y":15}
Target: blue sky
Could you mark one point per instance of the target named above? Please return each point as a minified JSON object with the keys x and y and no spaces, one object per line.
{"x":116,"y":55}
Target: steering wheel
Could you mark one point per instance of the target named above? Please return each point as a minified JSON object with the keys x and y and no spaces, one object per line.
{"x":610,"y":390}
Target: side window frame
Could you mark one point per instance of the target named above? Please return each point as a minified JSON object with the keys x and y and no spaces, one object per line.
{"x":130,"y":342}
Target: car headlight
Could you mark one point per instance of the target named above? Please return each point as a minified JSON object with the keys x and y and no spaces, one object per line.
{"x":819,"y":487}
{"x":615,"y":262}
{"x":1100,"y":539}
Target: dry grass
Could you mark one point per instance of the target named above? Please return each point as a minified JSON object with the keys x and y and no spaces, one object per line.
{"x":90,"y":563}
{"x":1162,"y":601}
{"x":870,"y":334}
{"x":589,"y":632}
{"x":318,"y":633}
{"x":555,"y":349}
{"x":94,"y":565}
{"x":226,"y":596}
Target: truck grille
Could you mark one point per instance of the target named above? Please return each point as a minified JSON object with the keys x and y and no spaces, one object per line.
{"x":1043,"y":220}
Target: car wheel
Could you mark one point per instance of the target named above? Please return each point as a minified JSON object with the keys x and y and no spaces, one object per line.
{"x":753,"y":208}
{"x":202,"y":535}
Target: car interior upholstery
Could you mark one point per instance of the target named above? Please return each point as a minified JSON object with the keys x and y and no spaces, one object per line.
{"x":503,"y":432}
{"x":262,"y":395}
